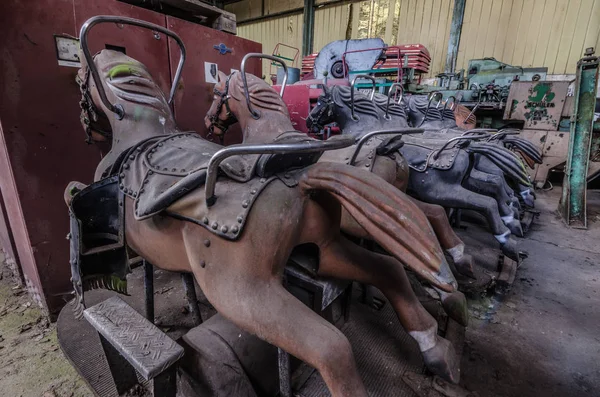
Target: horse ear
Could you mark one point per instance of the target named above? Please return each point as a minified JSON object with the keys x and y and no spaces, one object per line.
{"x":222,"y":77}
{"x":325,"y":88}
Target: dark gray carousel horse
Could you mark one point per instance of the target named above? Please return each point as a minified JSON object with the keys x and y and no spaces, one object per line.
{"x":438,"y":181}
{"x":487,"y":180}
{"x":441,"y":119}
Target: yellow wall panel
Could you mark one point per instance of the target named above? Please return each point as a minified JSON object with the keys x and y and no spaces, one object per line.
{"x":551,"y":33}
{"x":287,"y":30}
{"x":527,"y":33}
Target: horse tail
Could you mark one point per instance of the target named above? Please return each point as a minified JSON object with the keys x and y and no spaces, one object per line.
{"x":525,"y":146}
{"x":387,"y":214}
{"x":507,"y":161}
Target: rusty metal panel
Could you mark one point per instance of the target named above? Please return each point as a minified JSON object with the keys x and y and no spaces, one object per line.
{"x":42,"y":144}
{"x":539,"y":104}
{"x":195,"y":95}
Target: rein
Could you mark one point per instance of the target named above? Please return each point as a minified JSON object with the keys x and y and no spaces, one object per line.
{"x":89,"y":112}
{"x":223,"y":125}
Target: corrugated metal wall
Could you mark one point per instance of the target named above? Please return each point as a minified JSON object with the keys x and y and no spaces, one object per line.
{"x":287,"y":30}
{"x":552,"y":33}
{"x":427,"y":22}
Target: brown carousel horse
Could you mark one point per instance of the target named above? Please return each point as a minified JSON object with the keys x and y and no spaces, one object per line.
{"x":239,"y":266}
{"x":229,"y":106}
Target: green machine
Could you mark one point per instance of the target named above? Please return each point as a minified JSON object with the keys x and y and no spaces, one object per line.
{"x":485,"y":84}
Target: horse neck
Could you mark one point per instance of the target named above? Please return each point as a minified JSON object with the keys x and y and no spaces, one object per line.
{"x":356,"y":128}
{"x":265,"y":129}
{"x":139,"y":124}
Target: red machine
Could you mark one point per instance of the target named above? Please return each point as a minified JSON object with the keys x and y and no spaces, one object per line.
{"x":42,"y":144}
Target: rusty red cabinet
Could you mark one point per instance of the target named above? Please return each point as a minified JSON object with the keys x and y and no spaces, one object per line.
{"x":42,"y":144}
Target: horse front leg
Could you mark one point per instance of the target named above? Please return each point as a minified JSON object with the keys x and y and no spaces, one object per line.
{"x":453,"y":195}
{"x":450,"y":242}
{"x":343,"y":259}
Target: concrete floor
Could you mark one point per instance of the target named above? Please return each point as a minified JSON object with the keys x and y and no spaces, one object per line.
{"x":541,"y":339}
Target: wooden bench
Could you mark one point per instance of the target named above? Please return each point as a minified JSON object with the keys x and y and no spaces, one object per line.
{"x":133,"y":344}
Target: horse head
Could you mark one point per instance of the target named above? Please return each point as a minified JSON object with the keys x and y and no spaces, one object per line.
{"x":230,"y":106}
{"x":138,"y":107}
{"x":324,"y":111}
{"x":336,"y":106}
{"x":129,"y":86}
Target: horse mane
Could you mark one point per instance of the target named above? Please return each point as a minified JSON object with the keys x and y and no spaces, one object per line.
{"x":362,"y":103}
{"x":262,"y":95}
{"x":394,"y":110}
{"x":130,"y":80}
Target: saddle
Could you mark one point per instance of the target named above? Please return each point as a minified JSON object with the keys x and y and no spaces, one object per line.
{"x":379,"y":145}
{"x":419,"y":151}
{"x":167,"y":174}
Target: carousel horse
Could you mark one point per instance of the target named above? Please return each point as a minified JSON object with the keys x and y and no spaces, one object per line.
{"x":228,"y":108}
{"x":433,"y":180}
{"x":486,"y":180}
{"x":442,"y":120}
{"x":236,"y":239}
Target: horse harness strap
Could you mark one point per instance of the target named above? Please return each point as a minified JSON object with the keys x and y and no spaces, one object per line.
{"x":89,"y":111}
{"x":223,"y":125}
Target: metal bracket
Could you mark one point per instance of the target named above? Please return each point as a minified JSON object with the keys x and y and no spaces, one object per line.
{"x":90,"y":23}
{"x":255,"y":114}
{"x":398,"y":86}
{"x":273,"y":148}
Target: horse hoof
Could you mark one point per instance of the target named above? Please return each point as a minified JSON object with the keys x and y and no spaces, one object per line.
{"x":465,"y":266}
{"x":510,"y":249}
{"x":455,"y":305}
{"x":529,"y":201}
{"x":441,"y":361}
{"x":516,"y":213}
{"x":515,"y":227}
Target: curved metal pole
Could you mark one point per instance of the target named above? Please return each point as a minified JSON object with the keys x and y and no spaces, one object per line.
{"x":480,"y":131}
{"x":272,"y":148}
{"x":365,"y":138}
{"x":453,"y":102}
{"x":431,"y":96}
{"x":504,"y":132}
{"x":255,"y":114}
{"x":458,"y":138}
{"x":387,"y":107}
{"x":362,"y":76}
{"x":90,"y":23}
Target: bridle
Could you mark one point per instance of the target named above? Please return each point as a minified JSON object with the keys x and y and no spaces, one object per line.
{"x":222,"y":124}
{"x":90,"y":114}
{"x":325,"y":108}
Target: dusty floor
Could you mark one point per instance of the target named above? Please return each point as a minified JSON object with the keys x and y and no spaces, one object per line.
{"x":541,"y":339}
{"x":31,"y":363}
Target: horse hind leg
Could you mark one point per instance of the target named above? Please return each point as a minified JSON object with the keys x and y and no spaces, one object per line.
{"x":493,"y":186}
{"x":255,"y":300}
{"x":343,"y":259}
{"x":450,"y":242}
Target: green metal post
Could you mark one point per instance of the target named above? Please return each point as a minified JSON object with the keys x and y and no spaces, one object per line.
{"x":573,"y":201}
{"x":454,"y":40}
{"x":308,"y":30}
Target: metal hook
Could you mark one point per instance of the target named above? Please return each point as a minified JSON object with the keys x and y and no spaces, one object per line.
{"x":255,"y":114}
{"x":362,"y":76}
{"x":431,"y":97}
{"x":87,"y":26}
{"x":398,"y":86}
